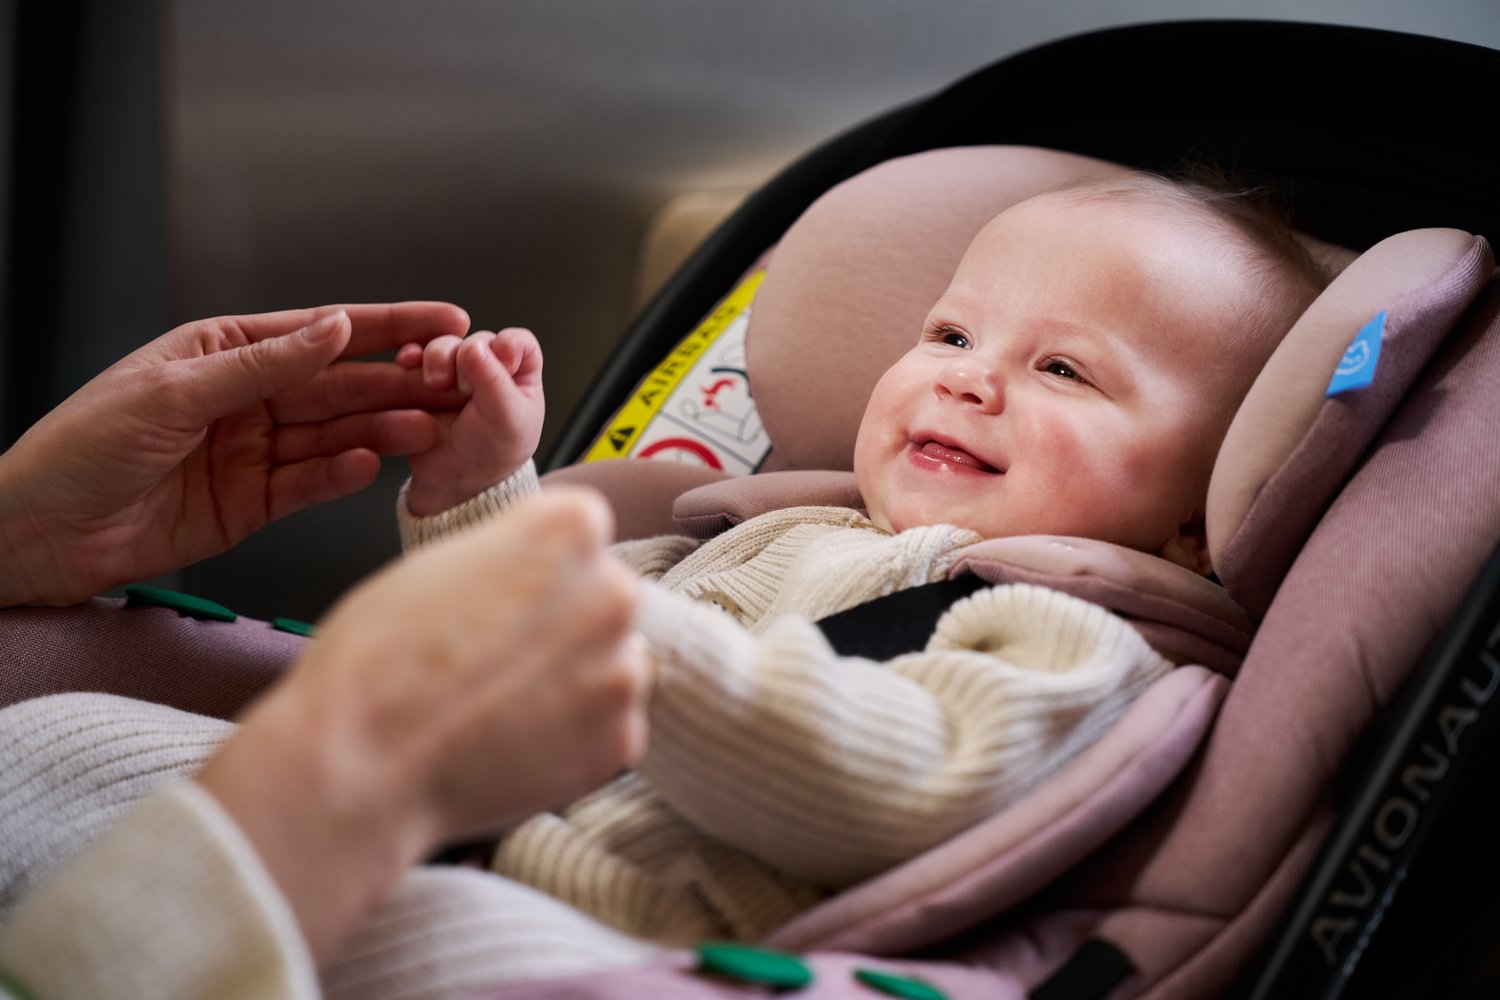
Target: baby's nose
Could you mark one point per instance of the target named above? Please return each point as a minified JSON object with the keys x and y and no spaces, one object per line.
{"x":969,"y":380}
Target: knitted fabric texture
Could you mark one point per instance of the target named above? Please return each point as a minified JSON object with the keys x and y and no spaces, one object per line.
{"x":476,"y":510}
{"x":137,"y":885}
{"x":172,"y":903}
{"x":779,"y":772}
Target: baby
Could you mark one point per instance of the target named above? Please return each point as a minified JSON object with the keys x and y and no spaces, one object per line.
{"x":1076,"y":378}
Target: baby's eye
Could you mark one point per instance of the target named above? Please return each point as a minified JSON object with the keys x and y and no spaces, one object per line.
{"x":1060,"y":368}
{"x":948,"y":335}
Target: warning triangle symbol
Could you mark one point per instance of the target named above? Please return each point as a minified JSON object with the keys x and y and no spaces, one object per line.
{"x":620,"y":437}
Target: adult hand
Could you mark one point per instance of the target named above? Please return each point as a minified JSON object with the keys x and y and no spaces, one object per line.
{"x":202,"y":436}
{"x":472,"y":683}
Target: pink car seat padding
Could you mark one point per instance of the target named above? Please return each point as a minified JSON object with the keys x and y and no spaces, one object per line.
{"x":1290,"y":446}
{"x":641,"y":492}
{"x":1184,"y":616}
{"x":1347,"y":628}
{"x":153,"y":654}
{"x":834,"y":979}
{"x":1009,"y":856}
{"x":716,"y":507}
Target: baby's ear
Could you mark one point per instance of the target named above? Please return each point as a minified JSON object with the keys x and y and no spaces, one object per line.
{"x":1189,"y":547}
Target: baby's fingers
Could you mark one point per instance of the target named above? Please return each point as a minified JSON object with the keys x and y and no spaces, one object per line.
{"x":438,"y":362}
{"x":501,"y":397}
{"x":474,"y":364}
{"x":519,"y":351}
{"x":481,"y":374}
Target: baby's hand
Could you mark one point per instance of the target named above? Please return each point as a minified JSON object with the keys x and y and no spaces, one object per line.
{"x":500,"y":423}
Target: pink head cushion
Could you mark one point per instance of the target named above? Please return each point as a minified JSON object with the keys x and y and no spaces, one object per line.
{"x":1292,"y":446}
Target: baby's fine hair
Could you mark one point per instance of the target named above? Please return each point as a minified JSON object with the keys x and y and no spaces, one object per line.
{"x":1285,"y":273}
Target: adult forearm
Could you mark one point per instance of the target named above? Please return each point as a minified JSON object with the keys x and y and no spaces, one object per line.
{"x":28,"y":550}
{"x":332,"y":835}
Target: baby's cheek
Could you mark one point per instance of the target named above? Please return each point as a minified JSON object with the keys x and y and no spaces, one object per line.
{"x":1091,"y":471}
{"x":1069,"y":447}
{"x":869,"y":474}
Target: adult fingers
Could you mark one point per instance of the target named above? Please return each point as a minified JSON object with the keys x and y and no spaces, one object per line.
{"x":219,"y":382}
{"x":567,"y":699}
{"x":318,"y":480}
{"x":390,"y":432}
{"x":579,"y":517}
{"x":584,"y":722}
{"x":361,"y":387}
{"x":375,"y":326}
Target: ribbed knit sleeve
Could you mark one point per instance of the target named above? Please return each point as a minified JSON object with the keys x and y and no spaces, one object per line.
{"x":417,"y":530}
{"x":173,"y":902}
{"x":833,"y":769}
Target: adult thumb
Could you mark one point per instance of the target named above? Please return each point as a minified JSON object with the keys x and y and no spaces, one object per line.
{"x":226,"y":381}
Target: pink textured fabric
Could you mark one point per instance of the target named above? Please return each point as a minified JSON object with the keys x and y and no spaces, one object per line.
{"x":1186,"y":617}
{"x":1291,"y":447}
{"x":1000,"y":862}
{"x":641,"y":492}
{"x":717,"y":507}
{"x":212,"y":668}
{"x":833,"y":979}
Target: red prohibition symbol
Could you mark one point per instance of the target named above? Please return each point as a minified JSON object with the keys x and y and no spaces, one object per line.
{"x":682,"y":444}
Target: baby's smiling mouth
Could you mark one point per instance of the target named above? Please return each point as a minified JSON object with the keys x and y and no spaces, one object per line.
{"x":934,"y":450}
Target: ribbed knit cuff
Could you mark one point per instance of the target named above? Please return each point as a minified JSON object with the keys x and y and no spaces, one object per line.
{"x":172,"y":903}
{"x":417,"y":531}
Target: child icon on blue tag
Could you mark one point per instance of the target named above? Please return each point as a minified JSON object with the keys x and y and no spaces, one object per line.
{"x":1357,"y":367}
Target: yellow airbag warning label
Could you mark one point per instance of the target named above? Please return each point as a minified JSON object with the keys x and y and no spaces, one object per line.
{"x":696,"y":405}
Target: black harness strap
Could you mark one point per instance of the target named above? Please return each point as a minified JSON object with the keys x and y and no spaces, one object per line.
{"x":1095,"y":969}
{"x":896,"y":623}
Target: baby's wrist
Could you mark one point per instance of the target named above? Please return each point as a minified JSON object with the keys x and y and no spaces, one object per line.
{"x":429,"y":499}
{"x":418,"y":528}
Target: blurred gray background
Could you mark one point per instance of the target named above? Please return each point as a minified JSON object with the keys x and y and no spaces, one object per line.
{"x":540,"y":163}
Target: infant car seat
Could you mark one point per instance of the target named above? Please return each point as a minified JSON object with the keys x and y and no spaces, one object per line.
{"x":1158,"y":895}
{"x":1346,"y":529}
{"x":1178,"y":903}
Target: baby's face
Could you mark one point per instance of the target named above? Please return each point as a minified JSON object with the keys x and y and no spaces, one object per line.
{"x":1062,"y":384}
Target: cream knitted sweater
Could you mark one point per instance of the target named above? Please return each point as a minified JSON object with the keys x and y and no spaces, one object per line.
{"x":778,"y":771}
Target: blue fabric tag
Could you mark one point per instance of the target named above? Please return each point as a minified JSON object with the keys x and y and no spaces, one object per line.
{"x":1357,"y":368}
